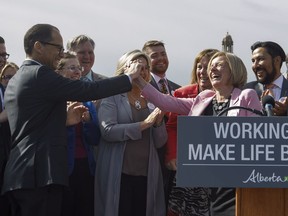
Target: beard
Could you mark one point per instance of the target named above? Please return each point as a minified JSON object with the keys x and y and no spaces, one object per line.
{"x":158,"y":71}
{"x":269,"y":77}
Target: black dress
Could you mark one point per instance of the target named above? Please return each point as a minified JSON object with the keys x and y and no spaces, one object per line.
{"x":222,"y":200}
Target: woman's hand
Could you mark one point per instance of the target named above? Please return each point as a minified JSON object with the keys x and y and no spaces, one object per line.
{"x":159,"y":119}
{"x":151,"y":119}
{"x":140,"y":82}
{"x":75,"y":112}
{"x":86,"y":117}
{"x":171,"y":165}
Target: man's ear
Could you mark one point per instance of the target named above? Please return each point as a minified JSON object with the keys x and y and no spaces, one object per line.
{"x":38,"y":47}
{"x":277,"y":62}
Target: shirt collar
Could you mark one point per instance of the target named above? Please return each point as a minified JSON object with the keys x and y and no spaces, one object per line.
{"x":157,"y":78}
{"x":278,"y":82}
{"x":33,"y":61}
{"x":89,"y":75}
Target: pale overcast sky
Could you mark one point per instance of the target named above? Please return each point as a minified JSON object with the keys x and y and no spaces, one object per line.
{"x":118,"y":26}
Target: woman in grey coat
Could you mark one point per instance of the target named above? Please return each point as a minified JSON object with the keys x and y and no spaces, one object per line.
{"x":128,"y":179}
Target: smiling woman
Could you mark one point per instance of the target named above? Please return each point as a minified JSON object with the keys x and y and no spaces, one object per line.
{"x":132,"y":129}
{"x":227,"y":74}
{"x":7,"y":73}
{"x":69,"y":67}
{"x":82,"y":138}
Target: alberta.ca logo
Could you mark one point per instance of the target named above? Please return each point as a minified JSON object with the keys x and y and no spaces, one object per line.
{"x":258,"y":177}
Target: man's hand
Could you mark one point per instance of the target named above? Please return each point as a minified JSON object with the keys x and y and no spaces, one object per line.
{"x":133,"y":69}
{"x":75,"y":112}
{"x":281,"y":107}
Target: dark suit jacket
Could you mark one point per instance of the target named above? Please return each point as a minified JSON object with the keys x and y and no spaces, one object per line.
{"x":5,"y":141}
{"x":171,"y":85}
{"x":1,"y":92}
{"x":168,"y":176}
{"x":36,"y":105}
{"x":259,"y":87}
{"x":96,"y":76}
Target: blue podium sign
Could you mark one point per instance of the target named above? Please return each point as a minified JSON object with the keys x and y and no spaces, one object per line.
{"x":247,"y":152}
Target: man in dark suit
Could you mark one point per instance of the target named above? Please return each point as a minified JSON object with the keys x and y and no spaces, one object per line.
{"x":267,"y":60}
{"x":159,"y":65}
{"x":37,"y":171}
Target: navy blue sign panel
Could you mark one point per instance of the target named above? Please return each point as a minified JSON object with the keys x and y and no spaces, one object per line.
{"x":248,"y":152}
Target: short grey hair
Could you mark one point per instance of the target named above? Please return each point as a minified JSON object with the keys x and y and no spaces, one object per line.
{"x":80,"y":39}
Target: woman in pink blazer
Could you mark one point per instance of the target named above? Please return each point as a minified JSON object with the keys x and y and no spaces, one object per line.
{"x":227,"y":74}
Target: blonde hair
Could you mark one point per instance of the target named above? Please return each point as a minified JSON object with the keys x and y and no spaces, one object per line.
{"x":130,"y":56}
{"x":237,"y":68}
{"x":8,"y":65}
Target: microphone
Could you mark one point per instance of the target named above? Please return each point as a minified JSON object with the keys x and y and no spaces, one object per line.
{"x":268,"y":103}
{"x":260,"y":113}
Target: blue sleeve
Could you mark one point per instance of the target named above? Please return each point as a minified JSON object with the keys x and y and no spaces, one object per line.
{"x":91,"y":129}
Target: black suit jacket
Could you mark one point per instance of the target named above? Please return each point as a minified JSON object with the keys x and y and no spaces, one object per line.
{"x":171,"y":85}
{"x":259,"y":87}
{"x":5,"y":141}
{"x":1,"y":92}
{"x":168,"y":176}
{"x":35,"y":100}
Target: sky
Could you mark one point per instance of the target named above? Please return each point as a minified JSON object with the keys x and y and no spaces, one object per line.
{"x":118,"y":26}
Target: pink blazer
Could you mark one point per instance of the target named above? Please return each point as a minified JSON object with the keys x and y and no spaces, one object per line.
{"x":196,"y":106}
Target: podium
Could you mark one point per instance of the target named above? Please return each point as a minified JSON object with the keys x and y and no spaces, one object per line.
{"x":262,"y":202}
{"x":247,"y":153}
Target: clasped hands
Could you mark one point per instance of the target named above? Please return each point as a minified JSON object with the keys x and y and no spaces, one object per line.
{"x":77,"y":112}
{"x":134,"y":68}
{"x":154,"y":119}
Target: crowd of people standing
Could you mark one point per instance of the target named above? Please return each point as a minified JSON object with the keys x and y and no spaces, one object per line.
{"x":74,"y":142}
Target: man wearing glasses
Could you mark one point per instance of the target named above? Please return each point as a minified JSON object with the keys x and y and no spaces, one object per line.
{"x":36,"y":173}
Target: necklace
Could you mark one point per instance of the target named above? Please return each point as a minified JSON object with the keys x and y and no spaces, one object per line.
{"x":135,"y":101}
{"x":218,"y":107}
{"x":137,"y":104}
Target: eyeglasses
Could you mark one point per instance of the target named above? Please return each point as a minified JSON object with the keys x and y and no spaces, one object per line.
{"x":4,"y":55}
{"x":75,"y":68}
{"x":7,"y":77}
{"x":59,"y":47}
